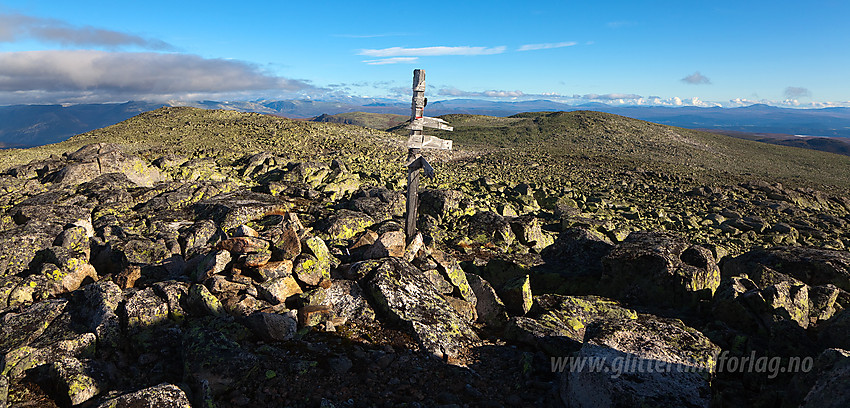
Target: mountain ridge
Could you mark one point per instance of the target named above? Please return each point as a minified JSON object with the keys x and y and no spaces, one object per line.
{"x":30,"y":125}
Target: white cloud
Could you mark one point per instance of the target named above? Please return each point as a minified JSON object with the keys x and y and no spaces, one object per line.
{"x":121,"y":76}
{"x":394,"y":60}
{"x":485,"y":94}
{"x":432,"y":51}
{"x":531,"y":47}
{"x":607,"y":97}
{"x":14,"y":27}
{"x":695,"y":101}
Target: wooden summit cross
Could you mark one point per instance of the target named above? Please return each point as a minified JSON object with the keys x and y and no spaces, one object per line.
{"x":415,"y":143}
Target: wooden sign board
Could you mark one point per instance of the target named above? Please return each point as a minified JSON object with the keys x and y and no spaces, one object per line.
{"x":425,"y":121}
{"x":428,"y":142}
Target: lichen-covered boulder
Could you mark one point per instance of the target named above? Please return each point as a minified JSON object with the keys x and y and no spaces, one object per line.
{"x":316,"y":246}
{"x":390,"y":243}
{"x":528,"y":232}
{"x":232,"y":209}
{"x":345,"y":224}
{"x":516,"y":294}
{"x":19,"y":329}
{"x":202,"y":302}
{"x":578,"y":252}
{"x":39,"y":335}
{"x":212,"y":354}
{"x":98,"y":310}
{"x":556,"y":324}
{"x":743,"y":304}
{"x":273,"y":326}
{"x":145,"y":309}
{"x":346,"y":298}
{"x":176,"y":294}
{"x":489,"y":308}
{"x":822,"y":385}
{"x":490,"y":229}
{"x":813,"y":266}
{"x":72,"y":268}
{"x":340,"y":185}
{"x":440,"y":203}
{"x":211,"y":264}
{"x":379,"y":203}
{"x":660,"y":269}
{"x":79,"y":380}
{"x":93,"y":160}
{"x":19,"y":245}
{"x":158,"y":396}
{"x":76,"y":239}
{"x":145,"y":251}
{"x":647,"y":361}
{"x":452,"y":272}
{"x":18,"y":361}
{"x":404,"y":294}
{"x":309,"y":270}
{"x":277,"y":290}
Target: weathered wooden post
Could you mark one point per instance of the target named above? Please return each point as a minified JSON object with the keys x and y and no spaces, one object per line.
{"x":415,"y":143}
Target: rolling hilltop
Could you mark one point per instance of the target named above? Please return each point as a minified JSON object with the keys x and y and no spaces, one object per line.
{"x":216,"y":258}
{"x":380,"y":121}
{"x":623,"y":143}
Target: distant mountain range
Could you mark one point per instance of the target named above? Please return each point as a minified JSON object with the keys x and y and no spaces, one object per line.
{"x":34,"y":125}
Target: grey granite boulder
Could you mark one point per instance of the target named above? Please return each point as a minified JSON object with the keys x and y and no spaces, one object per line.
{"x":660,"y":269}
{"x":404,"y":294}
{"x":647,"y":361}
{"x":158,"y":396}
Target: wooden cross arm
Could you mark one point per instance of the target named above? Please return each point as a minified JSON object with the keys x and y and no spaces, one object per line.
{"x":421,"y":163}
{"x":425,"y":121}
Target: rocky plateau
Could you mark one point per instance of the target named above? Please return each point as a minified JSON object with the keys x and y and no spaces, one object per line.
{"x":168,"y":273}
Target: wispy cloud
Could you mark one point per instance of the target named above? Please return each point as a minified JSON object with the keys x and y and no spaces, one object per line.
{"x":478,"y":94}
{"x":393,"y":60}
{"x":531,"y":47}
{"x":431,"y":51}
{"x":696,"y":79}
{"x":794,"y":92}
{"x":14,"y":27}
{"x":120,"y":76}
{"x":607,"y":97}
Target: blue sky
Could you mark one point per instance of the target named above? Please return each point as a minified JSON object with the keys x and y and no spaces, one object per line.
{"x":727,"y":53}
